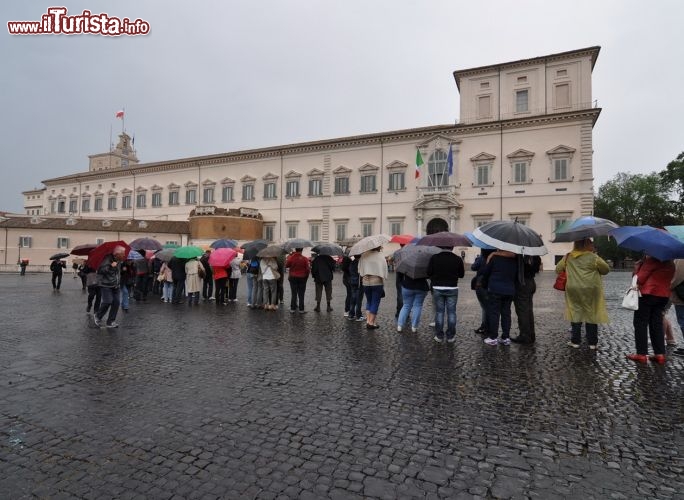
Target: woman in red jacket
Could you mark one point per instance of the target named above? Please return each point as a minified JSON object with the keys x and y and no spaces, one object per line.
{"x":299,"y":269}
{"x":653,"y":280}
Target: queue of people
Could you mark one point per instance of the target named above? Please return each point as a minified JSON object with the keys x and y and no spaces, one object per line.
{"x":502,"y":280}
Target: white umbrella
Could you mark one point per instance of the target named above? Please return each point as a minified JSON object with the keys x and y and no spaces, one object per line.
{"x":369,"y":243}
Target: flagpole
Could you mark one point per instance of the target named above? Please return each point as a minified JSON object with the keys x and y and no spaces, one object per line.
{"x":123,"y":120}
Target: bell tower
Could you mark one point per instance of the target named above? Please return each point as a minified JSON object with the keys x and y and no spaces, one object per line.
{"x":120,"y":157}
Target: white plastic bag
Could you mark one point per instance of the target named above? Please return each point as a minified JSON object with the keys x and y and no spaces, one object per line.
{"x":631,"y":298}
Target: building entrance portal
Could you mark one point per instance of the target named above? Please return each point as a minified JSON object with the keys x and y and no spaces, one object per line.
{"x":436,"y":225}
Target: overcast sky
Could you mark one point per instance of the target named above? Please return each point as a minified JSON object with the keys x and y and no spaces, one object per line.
{"x":216,"y":76}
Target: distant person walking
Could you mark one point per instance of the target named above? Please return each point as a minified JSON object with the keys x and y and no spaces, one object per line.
{"x":57,"y":267}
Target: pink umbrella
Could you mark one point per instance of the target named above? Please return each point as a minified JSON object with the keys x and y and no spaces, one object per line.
{"x":221,"y":257}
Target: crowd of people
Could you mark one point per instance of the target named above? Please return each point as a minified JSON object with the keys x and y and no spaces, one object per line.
{"x":502,"y":280}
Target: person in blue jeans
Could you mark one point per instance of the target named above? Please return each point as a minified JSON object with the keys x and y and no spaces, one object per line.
{"x":373,"y":272}
{"x":444,"y":271}
{"x":413,"y":292}
{"x":501,"y":273}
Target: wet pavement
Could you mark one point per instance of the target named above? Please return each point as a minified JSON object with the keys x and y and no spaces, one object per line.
{"x":228,"y":402}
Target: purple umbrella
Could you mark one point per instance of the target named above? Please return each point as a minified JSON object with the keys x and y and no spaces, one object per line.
{"x":444,"y":239}
{"x":146,"y":244}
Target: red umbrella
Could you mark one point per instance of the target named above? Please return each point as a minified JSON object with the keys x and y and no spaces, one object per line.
{"x":221,"y":257}
{"x":402,"y":239}
{"x":83,"y":249}
{"x":96,"y":255}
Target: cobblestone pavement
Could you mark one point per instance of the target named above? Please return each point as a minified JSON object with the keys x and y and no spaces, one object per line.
{"x":228,"y":402}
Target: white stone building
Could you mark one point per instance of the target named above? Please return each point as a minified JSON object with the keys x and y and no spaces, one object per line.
{"x":522,"y":149}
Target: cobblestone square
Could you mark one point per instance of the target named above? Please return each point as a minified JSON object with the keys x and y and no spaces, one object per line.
{"x":227,"y":402}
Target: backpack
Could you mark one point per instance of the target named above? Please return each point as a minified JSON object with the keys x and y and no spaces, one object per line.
{"x":253,"y":267}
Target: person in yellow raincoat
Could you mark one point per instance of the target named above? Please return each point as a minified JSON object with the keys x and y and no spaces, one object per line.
{"x":584,"y":297}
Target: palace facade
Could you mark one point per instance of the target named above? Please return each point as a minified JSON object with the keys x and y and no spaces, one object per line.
{"x":522,"y":148}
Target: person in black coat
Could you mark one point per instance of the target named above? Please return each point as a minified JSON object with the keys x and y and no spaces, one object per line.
{"x":57,"y":267}
{"x":177,"y":267}
{"x":525,"y":286}
{"x":322,"y":272}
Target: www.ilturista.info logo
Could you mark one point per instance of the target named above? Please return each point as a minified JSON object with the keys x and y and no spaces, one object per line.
{"x":56,"y":22}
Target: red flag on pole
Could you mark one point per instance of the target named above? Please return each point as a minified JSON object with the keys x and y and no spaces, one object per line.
{"x":120,"y":114}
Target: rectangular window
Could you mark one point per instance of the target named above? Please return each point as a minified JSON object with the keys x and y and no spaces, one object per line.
{"x":563,"y":95}
{"x":268,"y":232}
{"x":481,"y":221}
{"x":315,"y":232}
{"x":190,"y":196}
{"x":396,"y":181}
{"x":174,"y":242}
{"x":341,"y":231}
{"x":99,"y":241}
{"x":248,"y":192}
{"x":484,"y":109}
{"x":521,"y":101}
{"x":208,"y":195}
{"x":368,"y":183}
{"x":482,"y":175}
{"x":560,"y":169}
{"x":98,"y":204}
{"x":126,"y":201}
{"x":25,"y":241}
{"x":559,"y":220}
{"x":520,"y":172}
{"x":52,"y":207}
{"x":73,"y":206}
{"x":396,"y":228}
{"x":173,"y":198}
{"x":61,"y":207}
{"x":341,"y":185}
{"x":315,"y":187}
{"x":292,"y":230}
{"x":62,"y":242}
{"x":292,"y":189}
{"x":111,"y":203}
{"x":140,"y":200}
{"x":366,"y":229}
{"x":227,"y":194}
{"x":156,"y":199}
{"x":270,"y":191}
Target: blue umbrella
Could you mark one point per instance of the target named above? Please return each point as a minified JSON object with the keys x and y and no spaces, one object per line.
{"x":224,"y":243}
{"x":134,"y":255}
{"x":655,"y":242}
{"x":477,"y":243}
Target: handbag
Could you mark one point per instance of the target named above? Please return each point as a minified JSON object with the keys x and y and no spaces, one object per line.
{"x":631,"y":299}
{"x":561,"y":280}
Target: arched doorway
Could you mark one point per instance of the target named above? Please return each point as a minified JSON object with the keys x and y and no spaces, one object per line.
{"x":436,"y":225}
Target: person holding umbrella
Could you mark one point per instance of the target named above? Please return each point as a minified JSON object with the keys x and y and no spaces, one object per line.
{"x":269,"y":272}
{"x":194,"y":273}
{"x":500,"y":273}
{"x":653,"y":279}
{"x":444,"y":270}
{"x":109,"y":276}
{"x":373,"y":272}
{"x":299,"y":269}
{"x":234,"y":279}
{"x":57,"y":267}
{"x":322,"y":272}
{"x":177,"y":267}
{"x":584,"y":297}
{"x":208,"y":281}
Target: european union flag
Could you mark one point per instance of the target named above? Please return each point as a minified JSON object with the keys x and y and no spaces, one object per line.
{"x":450,"y":161}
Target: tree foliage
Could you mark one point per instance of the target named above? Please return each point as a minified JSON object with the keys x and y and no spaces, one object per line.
{"x":673,"y":178}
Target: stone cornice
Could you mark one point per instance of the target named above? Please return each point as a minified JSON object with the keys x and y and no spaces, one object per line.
{"x":408,"y":135}
{"x":588,"y":51}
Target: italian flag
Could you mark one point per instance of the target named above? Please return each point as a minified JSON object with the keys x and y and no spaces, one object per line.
{"x":419,"y":163}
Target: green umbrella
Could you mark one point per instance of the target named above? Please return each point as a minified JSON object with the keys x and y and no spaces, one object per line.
{"x":170,"y":245}
{"x":188,"y":252}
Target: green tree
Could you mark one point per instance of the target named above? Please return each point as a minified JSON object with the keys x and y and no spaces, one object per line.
{"x":634,"y":200}
{"x":673,"y":180}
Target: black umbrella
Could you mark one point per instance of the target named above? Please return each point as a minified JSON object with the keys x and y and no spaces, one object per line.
{"x":413,"y":260}
{"x":60,"y":255}
{"x":328,"y":249}
{"x":252,"y":248}
{"x":293,"y":243}
{"x":511,"y":235}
